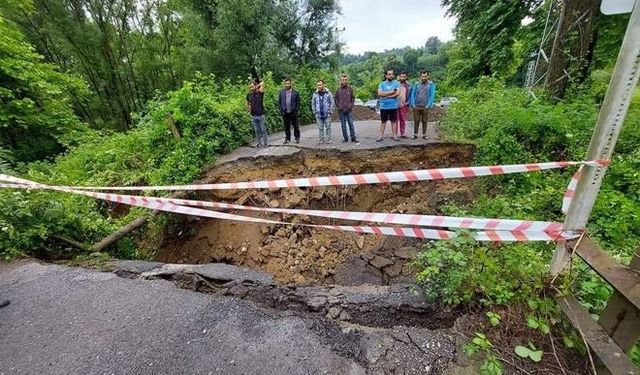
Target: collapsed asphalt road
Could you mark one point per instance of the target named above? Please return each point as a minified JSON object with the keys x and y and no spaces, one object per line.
{"x":77,"y":321}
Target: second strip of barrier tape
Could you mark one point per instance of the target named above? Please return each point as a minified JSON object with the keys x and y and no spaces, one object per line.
{"x":525,"y":233}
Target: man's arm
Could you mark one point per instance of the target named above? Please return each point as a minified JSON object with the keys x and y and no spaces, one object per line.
{"x":387,"y":94}
{"x":353,"y":97}
{"x":337,"y":98}
{"x":248,"y":106}
{"x":261,"y":87}
{"x":295,"y":98}
{"x":432,"y":95}
{"x":331,"y":102}
{"x":313,"y":104}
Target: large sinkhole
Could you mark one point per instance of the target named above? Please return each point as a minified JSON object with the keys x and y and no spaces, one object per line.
{"x":296,"y":254}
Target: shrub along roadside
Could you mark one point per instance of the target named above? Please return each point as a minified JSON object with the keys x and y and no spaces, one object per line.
{"x":212,"y":120}
{"x":509,"y":126}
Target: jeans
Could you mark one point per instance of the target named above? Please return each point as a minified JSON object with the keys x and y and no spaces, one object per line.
{"x":291,"y":119}
{"x":324,"y":128}
{"x":347,"y":117}
{"x":260,"y":128}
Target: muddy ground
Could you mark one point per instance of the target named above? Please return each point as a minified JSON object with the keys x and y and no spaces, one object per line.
{"x":295,"y":254}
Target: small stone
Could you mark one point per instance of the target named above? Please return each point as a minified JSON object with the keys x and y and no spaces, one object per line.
{"x":281,"y":233}
{"x":344,"y":316}
{"x":293,"y":238}
{"x":296,"y":262}
{"x":368,"y":256}
{"x":380,"y":262}
{"x":360,"y":242}
{"x":264,"y":252}
{"x":394,"y":270}
{"x":316,"y":303}
{"x":289,"y":260}
{"x":299,"y":279}
{"x":264,"y":229}
{"x":333,"y":312}
{"x":294,"y":199}
{"x":274,"y":203}
{"x":322,"y":251}
{"x":405,"y":252}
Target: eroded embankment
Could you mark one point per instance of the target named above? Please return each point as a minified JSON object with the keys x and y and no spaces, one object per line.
{"x":300,"y":254}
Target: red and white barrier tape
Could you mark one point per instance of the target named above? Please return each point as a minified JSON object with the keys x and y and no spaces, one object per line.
{"x":169,"y":205}
{"x":494,"y":229}
{"x":353,"y":179}
{"x":571,"y":191}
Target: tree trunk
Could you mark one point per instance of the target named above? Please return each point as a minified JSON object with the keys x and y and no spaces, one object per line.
{"x":572,"y":44}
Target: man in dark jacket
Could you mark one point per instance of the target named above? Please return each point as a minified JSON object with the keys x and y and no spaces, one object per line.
{"x":344,"y":99}
{"x":289,"y":103}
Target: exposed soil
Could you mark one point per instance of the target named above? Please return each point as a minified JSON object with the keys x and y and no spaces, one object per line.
{"x":295,"y":254}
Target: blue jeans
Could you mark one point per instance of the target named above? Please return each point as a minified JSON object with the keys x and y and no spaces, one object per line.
{"x":347,"y":117}
{"x":324,"y":128}
{"x":260,"y":127}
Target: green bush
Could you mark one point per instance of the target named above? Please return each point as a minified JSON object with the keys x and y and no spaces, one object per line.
{"x":509,"y":125}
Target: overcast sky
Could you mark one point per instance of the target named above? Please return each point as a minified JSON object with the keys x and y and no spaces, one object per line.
{"x":376,"y":25}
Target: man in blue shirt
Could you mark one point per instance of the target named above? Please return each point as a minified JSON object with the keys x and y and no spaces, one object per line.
{"x":388,"y":91}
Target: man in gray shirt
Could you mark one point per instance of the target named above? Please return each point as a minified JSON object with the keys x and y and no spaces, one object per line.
{"x":344,"y":99}
{"x":421,"y":99}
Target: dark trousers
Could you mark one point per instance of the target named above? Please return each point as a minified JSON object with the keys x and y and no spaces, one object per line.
{"x":291,"y":119}
{"x":347,"y":117}
{"x":420,"y":114}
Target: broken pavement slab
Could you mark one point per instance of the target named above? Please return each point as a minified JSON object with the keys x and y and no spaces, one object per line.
{"x":213,"y":271}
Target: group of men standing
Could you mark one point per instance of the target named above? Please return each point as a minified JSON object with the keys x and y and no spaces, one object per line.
{"x":396,"y":98}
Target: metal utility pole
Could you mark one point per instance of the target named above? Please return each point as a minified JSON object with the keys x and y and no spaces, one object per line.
{"x":610,"y":120}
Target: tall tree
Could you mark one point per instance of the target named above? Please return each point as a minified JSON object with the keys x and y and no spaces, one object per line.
{"x":36,"y":113}
{"x":432,"y":45}
{"x":573,"y":45}
{"x":485,"y":31}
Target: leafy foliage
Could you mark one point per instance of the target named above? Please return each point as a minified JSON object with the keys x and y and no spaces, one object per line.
{"x":36,"y":111}
{"x":212,"y":120}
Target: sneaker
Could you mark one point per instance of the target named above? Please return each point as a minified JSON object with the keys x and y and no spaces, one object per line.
{"x":379,"y":140}
{"x":259,"y":144}
{"x":345,"y":140}
{"x":403,"y":136}
{"x":328,"y":142}
{"x":298,"y":140}
{"x":355,"y":141}
{"x":425,"y":137}
{"x":321,"y":142}
{"x":4,"y":303}
{"x":395,"y":139}
{"x":414,"y":136}
{"x":286,"y":142}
